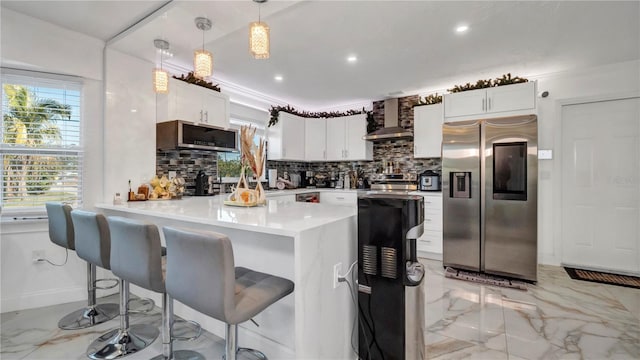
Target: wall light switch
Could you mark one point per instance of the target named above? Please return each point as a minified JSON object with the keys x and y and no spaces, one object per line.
{"x":545,"y":154}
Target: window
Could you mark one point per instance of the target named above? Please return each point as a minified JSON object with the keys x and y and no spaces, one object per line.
{"x":229,"y":162}
{"x":41,"y":149}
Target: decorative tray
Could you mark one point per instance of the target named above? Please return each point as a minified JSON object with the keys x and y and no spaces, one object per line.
{"x":233,"y":203}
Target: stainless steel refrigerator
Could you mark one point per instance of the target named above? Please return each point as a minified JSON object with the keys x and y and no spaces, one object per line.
{"x":490,"y":191}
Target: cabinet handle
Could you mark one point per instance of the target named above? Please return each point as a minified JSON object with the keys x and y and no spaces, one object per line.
{"x":489,"y":100}
{"x":483,"y":100}
{"x":346,"y":154}
{"x":206,"y":116}
{"x":339,"y":198}
{"x":200,"y":115}
{"x":324,"y":154}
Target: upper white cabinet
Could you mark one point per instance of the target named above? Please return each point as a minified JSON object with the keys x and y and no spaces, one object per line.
{"x":516,"y":99}
{"x":192,"y":103}
{"x":315,"y":139}
{"x":286,"y":138}
{"x":344,"y":139}
{"x":427,"y":131}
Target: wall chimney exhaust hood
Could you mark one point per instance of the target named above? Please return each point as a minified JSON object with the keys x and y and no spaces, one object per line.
{"x":391,"y":130}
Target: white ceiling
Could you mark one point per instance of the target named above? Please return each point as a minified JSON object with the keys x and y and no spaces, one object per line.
{"x":407,"y":46}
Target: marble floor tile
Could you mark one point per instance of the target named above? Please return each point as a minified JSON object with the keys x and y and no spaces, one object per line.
{"x":556,"y":318}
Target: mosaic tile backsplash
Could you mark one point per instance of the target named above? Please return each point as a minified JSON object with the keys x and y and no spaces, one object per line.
{"x":187,"y":163}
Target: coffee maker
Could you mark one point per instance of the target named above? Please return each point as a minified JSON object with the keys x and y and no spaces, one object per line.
{"x":202,"y":184}
{"x":309,"y":179}
{"x":390,"y":298}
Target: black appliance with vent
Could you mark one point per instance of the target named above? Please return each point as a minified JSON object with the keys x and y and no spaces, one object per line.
{"x":390,"y":298}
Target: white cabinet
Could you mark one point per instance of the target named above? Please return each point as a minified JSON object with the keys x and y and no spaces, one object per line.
{"x":192,"y":103}
{"x":507,"y":100}
{"x":315,"y":139}
{"x":427,"y":131}
{"x":286,"y":138}
{"x":339,"y":198}
{"x":344,"y":139}
{"x":431,"y":240}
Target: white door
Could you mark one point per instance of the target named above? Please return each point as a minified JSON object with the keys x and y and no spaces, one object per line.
{"x":511,"y":97}
{"x":427,"y":131}
{"x":292,"y":137}
{"x":470,"y":102}
{"x":601,"y":185}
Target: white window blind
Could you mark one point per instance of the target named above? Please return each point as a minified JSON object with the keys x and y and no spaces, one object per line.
{"x":41,"y":147}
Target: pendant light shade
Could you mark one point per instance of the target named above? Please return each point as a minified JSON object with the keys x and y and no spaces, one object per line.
{"x":259,"y":36}
{"x":202,"y":59}
{"x":202,"y":64}
{"x":259,"y":40}
{"x":160,"y":81}
{"x":160,"y":76}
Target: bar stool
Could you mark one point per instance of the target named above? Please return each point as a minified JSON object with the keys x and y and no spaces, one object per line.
{"x":61,"y":232}
{"x":225,"y":292}
{"x":136,"y":257}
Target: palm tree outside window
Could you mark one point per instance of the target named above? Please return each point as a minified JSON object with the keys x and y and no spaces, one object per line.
{"x":41,"y":148}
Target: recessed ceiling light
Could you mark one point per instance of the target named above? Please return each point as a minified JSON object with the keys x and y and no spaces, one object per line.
{"x":278,"y":78}
{"x":462,"y":28}
{"x":352,"y":58}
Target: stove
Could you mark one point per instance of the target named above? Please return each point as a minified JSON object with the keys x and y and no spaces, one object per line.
{"x":402,"y":183}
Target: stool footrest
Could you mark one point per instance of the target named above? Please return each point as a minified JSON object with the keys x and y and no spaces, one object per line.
{"x":146,"y":302}
{"x":95,"y":284}
{"x":198,"y":330}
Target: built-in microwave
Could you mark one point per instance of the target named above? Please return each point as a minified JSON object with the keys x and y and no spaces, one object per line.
{"x":180,"y":134}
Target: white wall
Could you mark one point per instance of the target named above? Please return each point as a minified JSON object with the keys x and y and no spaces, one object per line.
{"x":31,"y":44}
{"x":130,"y":124}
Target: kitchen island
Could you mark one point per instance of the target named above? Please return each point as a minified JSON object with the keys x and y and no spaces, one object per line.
{"x":298,"y":241}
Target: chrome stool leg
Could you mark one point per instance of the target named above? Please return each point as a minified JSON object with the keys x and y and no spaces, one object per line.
{"x":94,"y":313}
{"x":127,"y":339}
{"x":167,"y":337}
{"x":231,"y":345}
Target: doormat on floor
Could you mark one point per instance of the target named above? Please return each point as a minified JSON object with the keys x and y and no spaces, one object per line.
{"x":484,"y":278}
{"x":603,"y":277}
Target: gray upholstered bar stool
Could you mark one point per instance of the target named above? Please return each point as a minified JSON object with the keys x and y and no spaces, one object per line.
{"x":135,"y":258}
{"x":62,"y":233}
{"x":225,"y":292}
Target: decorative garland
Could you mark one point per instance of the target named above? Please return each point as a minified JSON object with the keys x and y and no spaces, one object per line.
{"x":275,"y":110}
{"x":480,"y":84}
{"x":191,"y":79}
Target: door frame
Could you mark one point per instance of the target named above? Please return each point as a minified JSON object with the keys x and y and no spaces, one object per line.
{"x":557,"y":164}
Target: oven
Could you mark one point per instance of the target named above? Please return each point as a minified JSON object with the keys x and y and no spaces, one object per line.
{"x":393,"y":183}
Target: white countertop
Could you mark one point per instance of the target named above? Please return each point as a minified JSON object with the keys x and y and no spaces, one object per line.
{"x":276,"y":217}
{"x":270,"y":193}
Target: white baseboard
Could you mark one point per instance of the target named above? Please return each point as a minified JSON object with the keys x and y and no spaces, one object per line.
{"x":42,"y":298}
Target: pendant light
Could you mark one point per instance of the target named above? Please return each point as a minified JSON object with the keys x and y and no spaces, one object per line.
{"x":160,"y":77}
{"x":202,"y":59}
{"x":259,"y":37}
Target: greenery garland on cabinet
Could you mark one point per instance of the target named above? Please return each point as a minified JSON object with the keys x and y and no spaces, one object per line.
{"x":275,"y":110}
{"x":191,"y":79}
{"x":480,"y":84}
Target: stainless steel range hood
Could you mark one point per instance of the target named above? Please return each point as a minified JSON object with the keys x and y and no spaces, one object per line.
{"x":391,"y":130}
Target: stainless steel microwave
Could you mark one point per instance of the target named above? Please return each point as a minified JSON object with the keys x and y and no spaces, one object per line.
{"x":180,"y":134}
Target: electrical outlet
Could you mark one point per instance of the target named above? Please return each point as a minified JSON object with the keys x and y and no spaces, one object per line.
{"x":36,"y":255}
{"x":337,"y":268}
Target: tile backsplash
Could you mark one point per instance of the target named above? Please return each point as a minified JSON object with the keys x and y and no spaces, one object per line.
{"x":397,"y":151}
{"x":187,"y":163}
